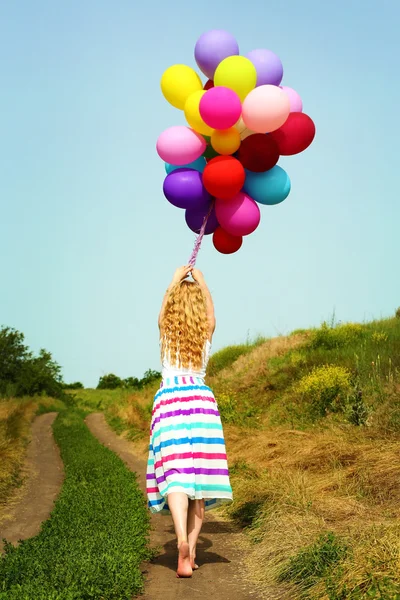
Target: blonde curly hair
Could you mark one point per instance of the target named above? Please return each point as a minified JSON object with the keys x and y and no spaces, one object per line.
{"x":184,"y":326}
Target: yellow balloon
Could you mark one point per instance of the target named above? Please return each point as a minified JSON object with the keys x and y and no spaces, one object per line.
{"x":178,"y":82}
{"x":240,"y":125}
{"x":237,"y":73}
{"x":192,"y":113}
{"x":225,"y":141}
{"x":244,"y":131}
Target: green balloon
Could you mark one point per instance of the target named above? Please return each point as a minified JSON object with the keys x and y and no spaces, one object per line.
{"x":209,"y":152}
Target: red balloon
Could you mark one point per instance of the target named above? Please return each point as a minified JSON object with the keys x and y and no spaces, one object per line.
{"x":208,"y":85}
{"x":224,"y":177}
{"x":295,"y":135}
{"x":258,"y":152}
{"x":226,"y":243}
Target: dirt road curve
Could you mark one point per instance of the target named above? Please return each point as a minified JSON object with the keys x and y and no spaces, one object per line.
{"x":218,"y":577}
{"x":44,"y":473}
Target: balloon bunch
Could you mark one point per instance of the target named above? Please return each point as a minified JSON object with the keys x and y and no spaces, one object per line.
{"x":223,"y":165}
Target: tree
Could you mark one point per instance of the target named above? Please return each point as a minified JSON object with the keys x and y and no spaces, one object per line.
{"x":132,"y":382}
{"x":13,"y":353}
{"x":22,"y":372}
{"x":77,"y":385}
{"x":109,"y":382}
{"x":150,"y":376}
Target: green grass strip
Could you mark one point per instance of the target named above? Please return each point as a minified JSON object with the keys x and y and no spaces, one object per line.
{"x":97,"y":535}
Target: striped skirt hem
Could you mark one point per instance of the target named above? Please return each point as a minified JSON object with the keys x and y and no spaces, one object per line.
{"x":187,"y":447}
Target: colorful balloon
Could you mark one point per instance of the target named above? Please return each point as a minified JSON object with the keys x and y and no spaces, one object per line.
{"x":268,"y":66}
{"x":240,"y":216}
{"x":225,"y":141}
{"x":226,"y":243}
{"x":195,"y":220}
{"x":197,"y":165}
{"x":208,"y":85}
{"x":212,"y":47}
{"x":258,"y":152}
{"x":295,"y":135}
{"x":223,"y":177}
{"x":178,"y":83}
{"x":243,"y":130}
{"x":180,"y":145}
{"x":192,"y":113}
{"x":265,"y":109}
{"x":270,"y":187}
{"x":209,"y":152}
{"x":296,"y":103}
{"x":238,"y":74}
{"x":184,"y":189}
{"x":220,"y":107}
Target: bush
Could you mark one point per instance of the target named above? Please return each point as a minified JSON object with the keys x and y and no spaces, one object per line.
{"x":379,"y":337}
{"x":237,"y":412}
{"x":398,"y":313}
{"x":336,"y":337}
{"x":326,"y":389}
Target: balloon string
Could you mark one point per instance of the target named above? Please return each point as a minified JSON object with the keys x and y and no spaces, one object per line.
{"x":199,"y":239}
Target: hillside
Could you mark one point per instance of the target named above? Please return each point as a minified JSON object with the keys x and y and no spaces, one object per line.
{"x":312,"y":427}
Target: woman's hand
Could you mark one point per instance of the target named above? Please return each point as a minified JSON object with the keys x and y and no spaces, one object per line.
{"x":181,"y":273}
{"x":198,"y":276}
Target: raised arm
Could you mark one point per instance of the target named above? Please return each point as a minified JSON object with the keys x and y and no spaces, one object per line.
{"x":199,"y":278}
{"x":180,"y":274}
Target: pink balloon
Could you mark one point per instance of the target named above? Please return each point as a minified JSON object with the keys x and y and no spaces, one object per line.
{"x":265,"y":108}
{"x":296,"y":103}
{"x":180,"y":145}
{"x":220,"y":107}
{"x":238,"y":216}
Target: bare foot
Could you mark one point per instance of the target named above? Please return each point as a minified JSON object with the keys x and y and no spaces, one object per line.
{"x":184,"y":566}
{"x":193,"y":564}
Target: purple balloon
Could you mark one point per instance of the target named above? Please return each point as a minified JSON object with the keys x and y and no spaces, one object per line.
{"x":195,"y":219}
{"x":184,"y":189}
{"x":212,"y":47}
{"x":268,"y":66}
{"x":296,"y":103}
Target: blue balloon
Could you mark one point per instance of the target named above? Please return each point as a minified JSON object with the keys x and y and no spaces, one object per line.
{"x":197,"y":165}
{"x":269,"y":187}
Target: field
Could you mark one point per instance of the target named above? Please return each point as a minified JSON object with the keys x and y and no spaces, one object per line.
{"x":312,"y":426}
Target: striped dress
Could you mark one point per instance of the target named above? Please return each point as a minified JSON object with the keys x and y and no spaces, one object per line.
{"x":187,"y":447}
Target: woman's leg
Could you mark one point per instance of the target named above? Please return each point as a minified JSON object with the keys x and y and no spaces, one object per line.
{"x":194,"y":523}
{"x":178,"y":505}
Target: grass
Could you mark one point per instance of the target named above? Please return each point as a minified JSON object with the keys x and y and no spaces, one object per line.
{"x":312,"y":428}
{"x":227,"y":356}
{"x":15,"y":419}
{"x":96,"y":537}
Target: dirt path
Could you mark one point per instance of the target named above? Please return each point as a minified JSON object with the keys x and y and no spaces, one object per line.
{"x":219,"y":576}
{"x":43,"y":468}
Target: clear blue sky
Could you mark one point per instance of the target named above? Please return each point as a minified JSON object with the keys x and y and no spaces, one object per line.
{"x":88,"y":242}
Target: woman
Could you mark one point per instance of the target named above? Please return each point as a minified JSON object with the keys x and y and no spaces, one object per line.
{"x":187,"y":470}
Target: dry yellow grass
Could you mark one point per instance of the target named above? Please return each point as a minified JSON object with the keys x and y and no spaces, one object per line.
{"x":292,"y":485}
{"x":253,"y":367}
{"x":15,"y":418}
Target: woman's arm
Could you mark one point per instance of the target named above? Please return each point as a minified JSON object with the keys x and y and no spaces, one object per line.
{"x":199,"y":278}
{"x":180,"y":274}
